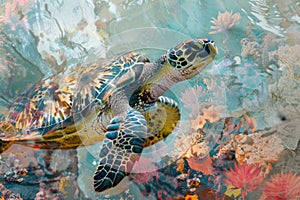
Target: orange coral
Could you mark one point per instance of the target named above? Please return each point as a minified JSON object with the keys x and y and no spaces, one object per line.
{"x":282,"y":186}
{"x":203,"y":165}
{"x":210,"y":114}
{"x":224,"y":21}
{"x":247,"y":177}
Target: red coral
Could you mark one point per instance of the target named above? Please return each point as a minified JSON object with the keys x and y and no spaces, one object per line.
{"x":247,"y":177}
{"x":282,"y":186}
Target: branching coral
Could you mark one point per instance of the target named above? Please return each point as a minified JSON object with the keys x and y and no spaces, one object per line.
{"x":224,"y":22}
{"x":286,"y":92}
{"x":250,"y":48}
{"x":288,"y":55}
{"x":210,"y":114}
{"x":191,"y":99}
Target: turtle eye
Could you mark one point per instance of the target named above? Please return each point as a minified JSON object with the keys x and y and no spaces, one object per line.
{"x":172,"y":58}
{"x":176,"y":59}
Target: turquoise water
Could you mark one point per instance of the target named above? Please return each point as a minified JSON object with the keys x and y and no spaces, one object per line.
{"x":245,"y":100}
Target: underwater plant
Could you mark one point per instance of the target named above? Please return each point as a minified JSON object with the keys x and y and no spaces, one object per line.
{"x":244,"y":176}
{"x":224,"y":22}
{"x":209,"y":114}
{"x":191,"y":99}
{"x":282,"y":186}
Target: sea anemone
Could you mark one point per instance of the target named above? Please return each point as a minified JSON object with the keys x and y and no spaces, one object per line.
{"x":247,"y":177}
{"x":224,"y":22}
{"x":282,"y":186}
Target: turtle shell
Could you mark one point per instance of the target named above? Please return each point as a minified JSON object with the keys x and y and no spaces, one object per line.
{"x":52,"y":104}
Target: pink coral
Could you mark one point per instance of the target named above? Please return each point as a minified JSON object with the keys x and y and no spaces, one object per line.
{"x":247,"y":177}
{"x":282,"y":186}
{"x":144,"y":170}
{"x":224,"y":22}
{"x":14,"y":15}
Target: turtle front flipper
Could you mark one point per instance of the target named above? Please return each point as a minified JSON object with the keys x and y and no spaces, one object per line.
{"x":122,"y":148}
{"x":162,"y":116}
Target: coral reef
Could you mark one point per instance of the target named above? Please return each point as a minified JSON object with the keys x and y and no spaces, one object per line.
{"x":224,"y":22}
{"x":257,"y":148}
{"x":288,"y":56}
{"x":208,"y":114}
{"x":285,"y":93}
{"x":6,"y":194}
{"x":250,"y":48}
{"x":48,"y":175}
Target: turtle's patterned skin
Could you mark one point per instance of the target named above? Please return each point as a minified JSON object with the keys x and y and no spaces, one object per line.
{"x":117,"y":101}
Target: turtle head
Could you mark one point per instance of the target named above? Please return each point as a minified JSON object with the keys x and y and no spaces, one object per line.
{"x":190,"y":57}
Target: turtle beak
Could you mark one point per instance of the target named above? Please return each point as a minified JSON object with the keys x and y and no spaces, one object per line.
{"x":206,"y":53}
{"x":209,"y":46}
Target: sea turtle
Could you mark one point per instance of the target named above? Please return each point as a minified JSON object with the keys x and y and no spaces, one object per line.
{"x":118,"y":101}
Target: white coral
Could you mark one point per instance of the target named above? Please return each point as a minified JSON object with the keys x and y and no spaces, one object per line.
{"x":255,"y":148}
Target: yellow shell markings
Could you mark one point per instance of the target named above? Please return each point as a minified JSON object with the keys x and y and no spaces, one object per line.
{"x":43,"y":117}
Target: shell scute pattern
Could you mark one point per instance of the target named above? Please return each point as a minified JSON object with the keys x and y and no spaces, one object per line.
{"x":51,"y":104}
{"x":97,"y":83}
{"x":42,"y":107}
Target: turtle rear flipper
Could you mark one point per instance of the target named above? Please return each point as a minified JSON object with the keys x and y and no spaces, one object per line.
{"x":162,"y":117}
{"x":122,"y":148}
{"x":4,"y":145}
{"x":5,"y":128}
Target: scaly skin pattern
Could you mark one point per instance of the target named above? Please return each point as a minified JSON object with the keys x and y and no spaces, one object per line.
{"x":180,"y":63}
